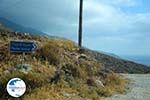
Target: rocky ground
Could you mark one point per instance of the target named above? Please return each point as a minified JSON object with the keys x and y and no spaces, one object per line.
{"x":139,"y":88}
{"x":57,"y":70}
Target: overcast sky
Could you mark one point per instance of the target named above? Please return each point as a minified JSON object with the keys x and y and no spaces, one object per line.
{"x":116,"y":26}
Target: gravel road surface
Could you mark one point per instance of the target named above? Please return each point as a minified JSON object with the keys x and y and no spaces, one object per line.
{"x":139,"y":88}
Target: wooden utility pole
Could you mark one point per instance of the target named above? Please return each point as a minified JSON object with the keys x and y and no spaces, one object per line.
{"x":80,"y":23}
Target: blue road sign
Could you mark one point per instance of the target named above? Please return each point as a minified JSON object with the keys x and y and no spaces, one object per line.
{"x":22,"y":47}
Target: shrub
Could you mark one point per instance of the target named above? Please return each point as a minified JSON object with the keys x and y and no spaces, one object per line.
{"x":114,"y":84}
{"x":89,"y":92}
{"x":67,"y":45}
{"x":51,"y":52}
{"x":73,"y":70}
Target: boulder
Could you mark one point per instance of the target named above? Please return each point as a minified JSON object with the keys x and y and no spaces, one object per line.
{"x":82,"y":56}
{"x":25,"y":68}
{"x":99,"y":83}
{"x":95,"y":82}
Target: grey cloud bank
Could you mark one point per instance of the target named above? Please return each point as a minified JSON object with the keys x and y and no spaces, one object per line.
{"x":111,"y":26}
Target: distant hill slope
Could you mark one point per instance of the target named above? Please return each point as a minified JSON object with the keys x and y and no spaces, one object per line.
{"x":3,"y":28}
{"x":116,"y":64}
{"x":18,"y":28}
{"x":110,"y":54}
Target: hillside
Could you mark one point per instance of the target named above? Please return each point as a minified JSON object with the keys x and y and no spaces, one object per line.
{"x":56,"y":70}
{"x":18,"y":28}
{"x":117,"y":65}
{"x":109,"y":61}
{"x":3,"y":28}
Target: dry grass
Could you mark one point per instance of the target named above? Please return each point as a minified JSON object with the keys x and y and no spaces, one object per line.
{"x":54,"y":55}
{"x":53,"y":50}
{"x":50,"y":52}
{"x":51,"y":92}
{"x":114,"y":84}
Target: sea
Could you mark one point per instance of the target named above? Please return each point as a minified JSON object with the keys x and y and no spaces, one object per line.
{"x":145,"y":60}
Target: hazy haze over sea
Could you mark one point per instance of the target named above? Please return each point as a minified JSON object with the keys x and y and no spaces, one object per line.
{"x":139,"y":59}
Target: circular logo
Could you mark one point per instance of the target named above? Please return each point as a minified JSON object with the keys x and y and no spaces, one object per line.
{"x":16,"y":87}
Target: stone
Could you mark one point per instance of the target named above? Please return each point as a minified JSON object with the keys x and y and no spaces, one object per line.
{"x":95,"y":82}
{"x":6,"y":72}
{"x":82,"y":56}
{"x":99,"y":83}
{"x":1,"y":56}
{"x":25,"y":68}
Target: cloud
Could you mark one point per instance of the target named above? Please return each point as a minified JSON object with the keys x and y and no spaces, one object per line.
{"x":127,"y":3}
{"x":54,"y":17}
{"x":109,"y":25}
{"x":140,"y":22}
{"x":100,"y":16}
{"x":109,"y":28}
{"x":108,"y":19}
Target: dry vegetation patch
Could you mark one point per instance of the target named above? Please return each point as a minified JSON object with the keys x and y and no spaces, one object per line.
{"x":59,"y":71}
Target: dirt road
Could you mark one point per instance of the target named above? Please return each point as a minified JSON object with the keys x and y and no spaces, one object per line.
{"x":139,"y":88}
